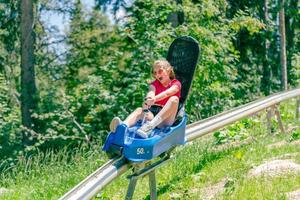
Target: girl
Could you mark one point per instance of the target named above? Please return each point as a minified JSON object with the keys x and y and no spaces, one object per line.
{"x":162,"y":100}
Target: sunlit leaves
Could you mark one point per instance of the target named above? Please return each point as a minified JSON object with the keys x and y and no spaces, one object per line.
{"x":242,"y":20}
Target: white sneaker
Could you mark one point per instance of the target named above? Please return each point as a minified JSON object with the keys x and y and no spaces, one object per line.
{"x":114,"y":123}
{"x":145,"y":130}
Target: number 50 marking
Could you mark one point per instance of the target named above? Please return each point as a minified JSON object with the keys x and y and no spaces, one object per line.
{"x":140,"y":151}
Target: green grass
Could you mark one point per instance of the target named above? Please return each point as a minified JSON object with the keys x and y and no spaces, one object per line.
{"x":49,"y":175}
{"x":194,"y":167}
{"x":234,"y":165}
{"x":199,"y":165}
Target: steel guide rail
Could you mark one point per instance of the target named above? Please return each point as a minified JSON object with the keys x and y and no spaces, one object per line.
{"x":216,"y":122}
{"x":96,"y":181}
{"x":114,"y":168}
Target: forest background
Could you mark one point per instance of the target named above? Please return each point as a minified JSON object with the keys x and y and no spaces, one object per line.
{"x":53,"y":98}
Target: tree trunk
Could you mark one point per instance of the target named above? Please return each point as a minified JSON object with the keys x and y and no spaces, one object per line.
{"x":28,"y":87}
{"x":176,"y":18}
{"x":282,"y":46}
{"x":267,"y":70}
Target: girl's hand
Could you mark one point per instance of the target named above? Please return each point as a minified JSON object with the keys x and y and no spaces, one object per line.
{"x":145,"y":106}
{"x":149,"y":101}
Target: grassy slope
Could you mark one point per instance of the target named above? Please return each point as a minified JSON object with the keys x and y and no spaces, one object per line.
{"x":49,"y":175}
{"x":194,"y":167}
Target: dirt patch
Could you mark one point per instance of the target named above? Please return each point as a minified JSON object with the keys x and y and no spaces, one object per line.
{"x":234,"y":144}
{"x":296,"y":142}
{"x":210,"y":192}
{"x":287,"y":156}
{"x":295,"y":195}
{"x":277,"y":144}
{"x":283,"y":143}
{"x":290,"y":129}
{"x":275,"y":168}
{"x":175,"y":196}
{"x":4,"y":191}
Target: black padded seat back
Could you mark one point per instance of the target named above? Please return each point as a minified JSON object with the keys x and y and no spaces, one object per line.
{"x":183,"y":55}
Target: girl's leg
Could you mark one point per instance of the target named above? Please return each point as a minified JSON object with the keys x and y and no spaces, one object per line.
{"x":165,"y":117}
{"x":168,"y":113}
{"x":136,"y":116}
{"x":131,"y":119}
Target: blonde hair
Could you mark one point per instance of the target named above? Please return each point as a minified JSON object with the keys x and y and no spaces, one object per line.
{"x":166,"y":66}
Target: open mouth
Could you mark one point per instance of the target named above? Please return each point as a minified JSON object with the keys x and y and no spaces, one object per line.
{"x":160,"y":78}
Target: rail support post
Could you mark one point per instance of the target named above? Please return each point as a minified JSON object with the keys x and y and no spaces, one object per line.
{"x":148,"y":170}
{"x":269,"y":117}
{"x":297,"y":108}
{"x":131,"y":188}
{"x":277,"y":114}
{"x":152,"y":186}
{"x":273,"y":110}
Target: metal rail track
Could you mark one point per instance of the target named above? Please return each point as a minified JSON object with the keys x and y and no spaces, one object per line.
{"x":94,"y":183}
{"x":216,"y":122}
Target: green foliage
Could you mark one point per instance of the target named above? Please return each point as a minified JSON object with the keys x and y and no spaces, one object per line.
{"x":295,"y":71}
{"x":106,"y":68}
{"x":242,"y":21}
{"x":212,"y":86}
{"x":295,"y":135}
{"x":237,"y":131}
{"x":3,"y":51}
{"x":10,"y":47}
{"x":10,"y":140}
{"x":260,"y":52}
{"x":97,"y":73}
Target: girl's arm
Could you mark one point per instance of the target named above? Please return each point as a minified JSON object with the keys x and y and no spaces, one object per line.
{"x":151,"y":92}
{"x":169,"y":92}
{"x":150,"y":97}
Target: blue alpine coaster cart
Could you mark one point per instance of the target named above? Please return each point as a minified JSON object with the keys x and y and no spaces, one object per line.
{"x":183,"y":55}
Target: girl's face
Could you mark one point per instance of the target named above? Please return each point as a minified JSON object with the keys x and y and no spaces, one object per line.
{"x":161,"y":74}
